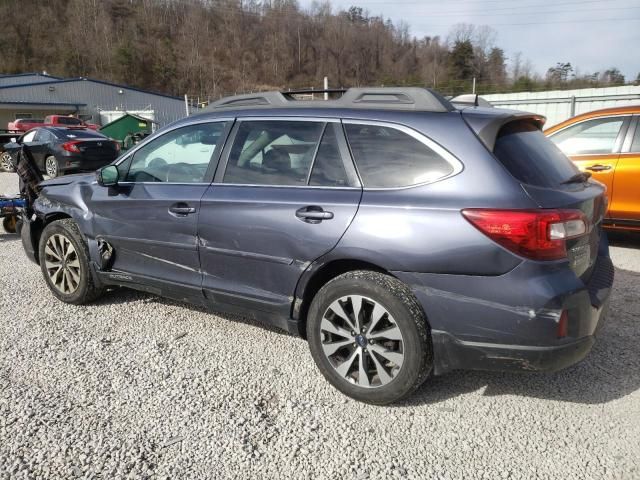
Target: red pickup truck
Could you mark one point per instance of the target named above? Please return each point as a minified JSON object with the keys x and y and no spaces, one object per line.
{"x":67,"y":121}
{"x":24,"y":124}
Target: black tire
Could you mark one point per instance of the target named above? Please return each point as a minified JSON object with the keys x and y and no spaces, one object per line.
{"x":400,"y":303}
{"x":86,"y":291}
{"x":9,"y":223}
{"x":51,"y":167}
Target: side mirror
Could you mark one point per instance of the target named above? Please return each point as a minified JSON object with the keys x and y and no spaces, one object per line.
{"x":107,"y":176}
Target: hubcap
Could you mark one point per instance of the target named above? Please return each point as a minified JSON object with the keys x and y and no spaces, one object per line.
{"x":62,"y":264}
{"x":362,"y":341}
{"x":51,"y":167}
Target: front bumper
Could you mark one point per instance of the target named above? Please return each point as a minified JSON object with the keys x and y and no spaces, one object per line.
{"x":29,"y":235}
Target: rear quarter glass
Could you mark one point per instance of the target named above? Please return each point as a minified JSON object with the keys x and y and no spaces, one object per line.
{"x":531,"y":157}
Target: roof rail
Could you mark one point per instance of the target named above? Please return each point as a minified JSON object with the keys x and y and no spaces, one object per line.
{"x":394,"y":98}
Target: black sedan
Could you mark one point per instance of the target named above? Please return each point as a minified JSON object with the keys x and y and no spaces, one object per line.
{"x":59,"y":150}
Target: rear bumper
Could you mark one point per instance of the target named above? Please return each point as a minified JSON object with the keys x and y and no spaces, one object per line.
{"x":510,"y":322}
{"x":79,"y":163}
{"x":451,"y":353}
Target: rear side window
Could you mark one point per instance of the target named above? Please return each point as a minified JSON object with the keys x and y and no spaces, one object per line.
{"x":273,"y":152}
{"x":387,"y":157}
{"x":531,"y":157}
{"x":591,"y":137}
{"x":69,"y":121}
{"x":328,"y":167}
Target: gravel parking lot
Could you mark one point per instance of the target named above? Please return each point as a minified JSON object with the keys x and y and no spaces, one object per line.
{"x":137,"y":386}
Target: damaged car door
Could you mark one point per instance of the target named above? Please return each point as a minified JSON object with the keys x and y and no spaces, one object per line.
{"x":150,"y":217}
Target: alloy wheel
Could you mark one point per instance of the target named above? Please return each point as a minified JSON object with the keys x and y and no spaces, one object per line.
{"x":51,"y":166}
{"x":362,"y":341}
{"x":62,"y":264}
{"x":5,"y":162}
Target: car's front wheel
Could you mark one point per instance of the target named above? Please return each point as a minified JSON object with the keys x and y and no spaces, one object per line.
{"x":51,"y":166}
{"x":369,"y":337}
{"x":64,"y":261}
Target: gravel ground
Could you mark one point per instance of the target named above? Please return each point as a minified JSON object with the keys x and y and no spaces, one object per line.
{"x":136,"y":386}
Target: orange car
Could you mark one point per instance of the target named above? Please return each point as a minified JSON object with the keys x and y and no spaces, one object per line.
{"x":606,"y":143}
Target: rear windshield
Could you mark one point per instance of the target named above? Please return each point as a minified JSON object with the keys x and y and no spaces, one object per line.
{"x":64,"y":133}
{"x":531,"y":157}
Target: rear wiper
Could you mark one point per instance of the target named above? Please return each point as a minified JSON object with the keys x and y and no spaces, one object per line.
{"x":579,"y":177}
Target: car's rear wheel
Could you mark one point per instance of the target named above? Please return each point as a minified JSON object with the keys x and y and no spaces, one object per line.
{"x":64,"y":261}
{"x":6,"y":163}
{"x":369,"y":337}
{"x":51,"y":166}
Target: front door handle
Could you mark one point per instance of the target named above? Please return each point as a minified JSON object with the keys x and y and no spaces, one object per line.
{"x":598,"y":168}
{"x":181,"y":209}
{"x":313,"y":214}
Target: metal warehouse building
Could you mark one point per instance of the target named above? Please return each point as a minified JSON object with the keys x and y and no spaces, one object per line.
{"x":559,"y":105}
{"x":36,"y":95}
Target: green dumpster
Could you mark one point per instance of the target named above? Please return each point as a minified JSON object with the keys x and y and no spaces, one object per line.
{"x":128,"y":129}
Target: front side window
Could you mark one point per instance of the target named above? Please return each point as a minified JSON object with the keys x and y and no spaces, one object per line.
{"x":273,"y":152}
{"x":179,"y":156}
{"x":387,"y":157}
{"x":597,"y":136}
{"x":29,"y":136}
{"x":42,"y":136}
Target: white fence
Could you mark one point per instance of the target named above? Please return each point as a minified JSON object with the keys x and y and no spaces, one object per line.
{"x":558,"y":105}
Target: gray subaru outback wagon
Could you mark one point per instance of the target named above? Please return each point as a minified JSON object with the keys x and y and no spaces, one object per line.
{"x":401,"y":236}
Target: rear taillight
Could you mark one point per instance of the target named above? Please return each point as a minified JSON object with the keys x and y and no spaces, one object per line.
{"x":535,"y":234}
{"x":71,"y":146}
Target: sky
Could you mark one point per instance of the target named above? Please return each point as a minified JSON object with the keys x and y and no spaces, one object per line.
{"x":593,"y":35}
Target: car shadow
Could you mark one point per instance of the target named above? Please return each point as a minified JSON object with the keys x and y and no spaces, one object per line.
{"x":624,"y":239}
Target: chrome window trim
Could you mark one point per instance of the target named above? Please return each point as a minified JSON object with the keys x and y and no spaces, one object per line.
{"x":253,"y":185}
{"x":617,"y":145}
{"x":164,"y":183}
{"x":451,"y":159}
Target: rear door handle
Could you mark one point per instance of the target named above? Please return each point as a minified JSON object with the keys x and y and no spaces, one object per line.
{"x":598,"y":168}
{"x":181,"y":209}
{"x":313,"y":214}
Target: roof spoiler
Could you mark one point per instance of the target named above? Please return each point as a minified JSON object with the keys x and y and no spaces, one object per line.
{"x":396,"y":98}
{"x":487,"y":123}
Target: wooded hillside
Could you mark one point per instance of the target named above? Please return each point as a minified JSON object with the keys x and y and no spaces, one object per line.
{"x":207,"y":48}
